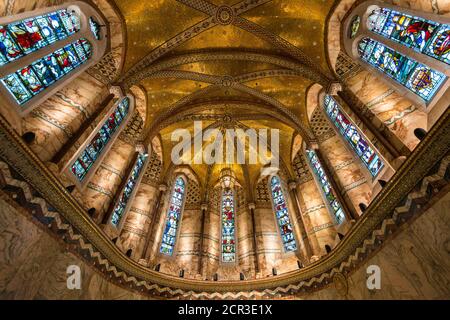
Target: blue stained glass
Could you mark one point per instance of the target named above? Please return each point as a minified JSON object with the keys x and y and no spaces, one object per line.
{"x":282,"y":214}
{"x":46,"y":29}
{"x":355,"y":139}
{"x":72,"y":54}
{"x":439,"y":46}
{"x":57,"y":25}
{"x":16,"y":88}
{"x":173,"y":217}
{"x":70,"y":21}
{"x":326,"y":187}
{"x":417,"y":77}
{"x":127,"y":191}
{"x":95,"y":28}
{"x":31,"y":81}
{"x":20,"y":38}
{"x":9,"y":50}
{"x":95,"y":147}
{"x":27,"y":35}
{"x":43,"y":72}
{"x":63,"y":60}
{"x":228,"y":227}
{"x":86,"y":46}
{"x":425,"y":36}
{"x":80,"y":51}
{"x":53,"y":66}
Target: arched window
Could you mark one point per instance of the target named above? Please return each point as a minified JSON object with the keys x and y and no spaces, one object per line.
{"x":20,"y":38}
{"x":173,"y":217}
{"x":326,"y":187}
{"x":119,"y":209}
{"x":425,"y":36}
{"x":92,"y":151}
{"x":413,"y":75}
{"x":39,"y":54}
{"x":29,"y":81}
{"x":352,"y":135}
{"x":228,"y":226}
{"x":282,"y":215}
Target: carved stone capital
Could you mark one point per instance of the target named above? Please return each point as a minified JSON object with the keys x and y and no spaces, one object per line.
{"x":117,"y":91}
{"x":292,"y":185}
{"x":162,"y":187}
{"x":252,"y":206}
{"x":204,"y":206}
{"x":333,"y":88}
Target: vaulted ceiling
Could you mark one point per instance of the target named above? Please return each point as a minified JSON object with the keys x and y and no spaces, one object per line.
{"x":224,"y":52}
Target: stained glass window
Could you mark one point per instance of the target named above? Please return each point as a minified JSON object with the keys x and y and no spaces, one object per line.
{"x":354,"y":26}
{"x":228,"y":227}
{"x":30,"y":80}
{"x":354,"y":138}
{"x":422,"y":35}
{"x":94,"y":148}
{"x":95,"y":28}
{"x":415,"y":76}
{"x":282,"y":214}
{"x":126,"y":193}
{"x":325,"y":186}
{"x":173,"y":217}
{"x":20,"y":38}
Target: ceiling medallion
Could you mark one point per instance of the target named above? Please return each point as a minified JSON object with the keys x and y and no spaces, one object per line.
{"x":227,"y":81}
{"x":225,"y":15}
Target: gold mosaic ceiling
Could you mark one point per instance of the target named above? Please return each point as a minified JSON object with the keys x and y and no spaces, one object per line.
{"x":152,"y":24}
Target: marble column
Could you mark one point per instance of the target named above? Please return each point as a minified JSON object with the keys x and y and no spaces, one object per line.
{"x":204,"y":208}
{"x":155,"y":217}
{"x":107,"y":215}
{"x":84,"y":126}
{"x":301,"y":222}
{"x":346,"y":206}
{"x":252,"y":207}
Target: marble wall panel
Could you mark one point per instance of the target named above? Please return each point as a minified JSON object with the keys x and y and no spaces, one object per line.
{"x":414,"y":264}
{"x":347,"y":171}
{"x":388,"y":106}
{"x":316,"y":216}
{"x":60,"y":116}
{"x":103,"y":186}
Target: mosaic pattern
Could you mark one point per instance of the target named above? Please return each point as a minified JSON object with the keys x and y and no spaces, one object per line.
{"x":326,"y":187}
{"x":29,"y":81}
{"x":354,"y":138}
{"x":94,"y":149}
{"x":228,"y":227}
{"x":415,"y":76}
{"x":282,"y":215}
{"x":128,"y":190}
{"x":173,"y":218}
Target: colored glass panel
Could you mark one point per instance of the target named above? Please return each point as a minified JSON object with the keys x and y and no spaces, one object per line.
{"x":415,"y":76}
{"x":16,"y":88}
{"x":326,"y":187}
{"x":173,"y":218}
{"x":228,"y":227}
{"x":95,"y":28}
{"x":94,"y":148}
{"x":20,"y":38}
{"x":425,"y":36}
{"x":119,"y":209}
{"x":29,"y":81}
{"x":9,"y":50}
{"x":352,"y":135}
{"x":282,"y":215}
